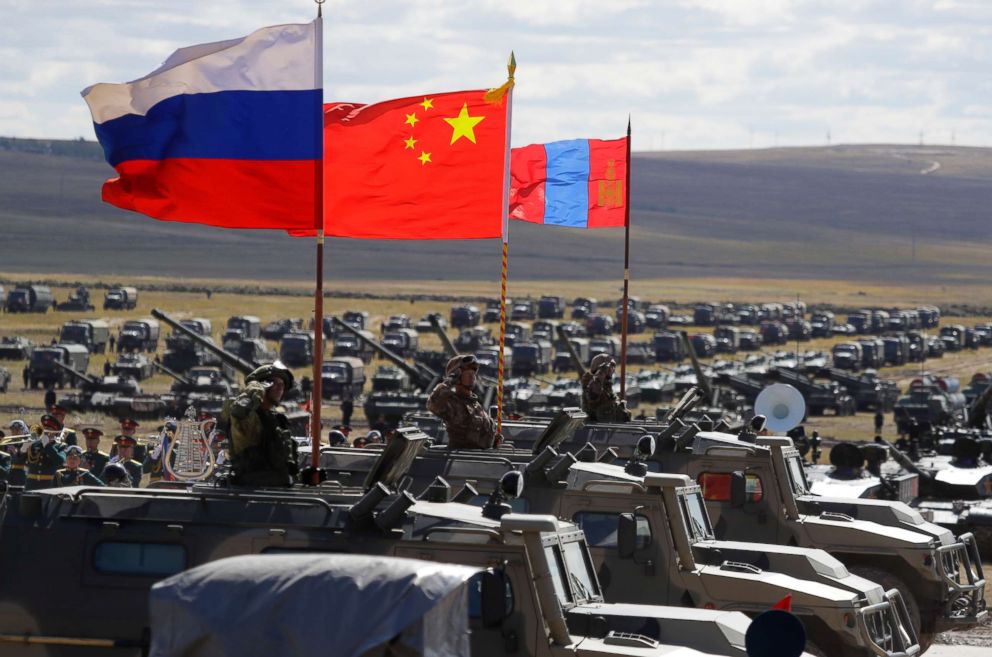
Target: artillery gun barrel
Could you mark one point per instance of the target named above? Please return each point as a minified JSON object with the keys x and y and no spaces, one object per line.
{"x":903,"y":460}
{"x":422,"y":378}
{"x":571,"y":351}
{"x":446,"y":343}
{"x":165,"y":370}
{"x":701,"y":379}
{"x":82,"y":376}
{"x":241,"y":365}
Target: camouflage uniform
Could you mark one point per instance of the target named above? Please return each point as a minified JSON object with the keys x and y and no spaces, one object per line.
{"x":599,"y":401}
{"x":263,"y":453}
{"x":77,"y":477}
{"x":468,"y":424}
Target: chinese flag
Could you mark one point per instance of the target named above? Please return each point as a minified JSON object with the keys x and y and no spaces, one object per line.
{"x":423,"y":168}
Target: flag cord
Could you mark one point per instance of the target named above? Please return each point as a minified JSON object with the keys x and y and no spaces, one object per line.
{"x":502,"y":339}
{"x":318,"y":295}
{"x":626,"y":275}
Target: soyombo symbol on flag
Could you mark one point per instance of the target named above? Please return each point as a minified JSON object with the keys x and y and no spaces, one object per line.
{"x":226,"y":133}
{"x":427,"y":167}
{"x":577,"y":183}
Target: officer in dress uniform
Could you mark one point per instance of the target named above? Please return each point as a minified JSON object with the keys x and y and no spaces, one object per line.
{"x":68,"y":435}
{"x":599,"y":401}
{"x":93,"y":459}
{"x":72,"y":474}
{"x":18,"y":453}
{"x":45,"y":456}
{"x":124,"y":457}
{"x":468,"y":424}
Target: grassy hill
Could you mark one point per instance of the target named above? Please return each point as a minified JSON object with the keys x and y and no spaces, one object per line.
{"x":844,"y":212}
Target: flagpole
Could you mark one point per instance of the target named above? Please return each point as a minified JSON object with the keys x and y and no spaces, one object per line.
{"x":511,"y":68}
{"x":626,"y":272}
{"x":318,"y":295}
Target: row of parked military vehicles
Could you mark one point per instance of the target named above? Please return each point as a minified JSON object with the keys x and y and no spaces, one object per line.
{"x":595,"y":539}
{"x":40,"y":299}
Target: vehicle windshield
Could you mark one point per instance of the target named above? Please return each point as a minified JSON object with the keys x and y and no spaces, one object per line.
{"x":74,"y":333}
{"x":336,"y":370}
{"x":40,"y":356}
{"x":695,"y":515}
{"x":525,"y":351}
{"x":580,"y":573}
{"x":797,"y":475}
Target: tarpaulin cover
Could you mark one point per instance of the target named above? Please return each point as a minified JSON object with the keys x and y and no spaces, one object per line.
{"x":312,"y":604}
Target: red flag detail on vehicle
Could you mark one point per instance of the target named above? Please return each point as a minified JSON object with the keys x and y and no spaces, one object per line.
{"x":422,"y":168}
{"x":785,"y":604}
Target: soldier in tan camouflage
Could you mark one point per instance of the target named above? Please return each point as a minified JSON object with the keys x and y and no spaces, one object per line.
{"x":598,"y":399}
{"x":468,"y":424}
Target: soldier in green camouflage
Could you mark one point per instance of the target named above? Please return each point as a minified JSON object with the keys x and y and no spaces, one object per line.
{"x":598,"y":399}
{"x":468,"y":424}
{"x":72,"y":474}
{"x":263,"y":453}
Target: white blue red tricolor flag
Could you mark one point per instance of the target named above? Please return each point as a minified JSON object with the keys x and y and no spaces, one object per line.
{"x":227,"y":133}
{"x":577,"y":183}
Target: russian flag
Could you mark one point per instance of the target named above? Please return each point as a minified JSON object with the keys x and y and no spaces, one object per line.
{"x":227,"y":134}
{"x":578,"y":183}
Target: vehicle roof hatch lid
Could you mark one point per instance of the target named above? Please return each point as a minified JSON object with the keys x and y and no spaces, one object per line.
{"x":526,"y":522}
{"x":665,"y":480}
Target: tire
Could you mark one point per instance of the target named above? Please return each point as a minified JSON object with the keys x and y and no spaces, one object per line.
{"x":887,"y":581}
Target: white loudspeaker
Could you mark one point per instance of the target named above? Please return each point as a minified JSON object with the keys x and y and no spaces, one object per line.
{"x":782,"y":405}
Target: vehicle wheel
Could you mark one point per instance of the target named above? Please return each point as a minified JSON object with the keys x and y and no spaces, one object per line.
{"x":887,"y":581}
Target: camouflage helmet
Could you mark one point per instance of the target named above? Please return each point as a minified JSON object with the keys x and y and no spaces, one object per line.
{"x":601,"y":361}
{"x":457,"y":363}
{"x":266,"y":372}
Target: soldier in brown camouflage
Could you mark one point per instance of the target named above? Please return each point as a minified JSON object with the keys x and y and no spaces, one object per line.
{"x":469,"y":425}
{"x":598,"y":399}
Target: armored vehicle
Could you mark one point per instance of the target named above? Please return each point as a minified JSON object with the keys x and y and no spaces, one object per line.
{"x":183,"y":351}
{"x":771,"y":312}
{"x":953,"y":337}
{"x":30,"y":299}
{"x":609,"y":345}
{"x":203,"y":387}
{"x":78,"y":301}
{"x":424,"y":325}
{"x":464,"y":316}
{"x":42,"y":368}
{"x":750,"y":340}
{"x":15,"y":347}
{"x":869,"y":391}
{"x":390,"y":379}
{"x":347,"y":344}
{"x":472,"y":339}
{"x":846,"y":356}
{"x":402,"y":341}
{"x":600,"y":324}
{"x":90,"y":333}
{"x":651,"y":540}
{"x":340,"y":375}
{"x":491,"y":313}
{"x":656,"y":316}
{"x":540,"y":595}
{"x":523,"y":309}
{"x":774,"y":333}
{"x":551,"y":307}
{"x":139,"y":335}
{"x":819,"y":397}
{"x":120,"y":298}
{"x":544,"y":329}
{"x":249,"y":325}
{"x":531,"y":358}
{"x":728,"y":339}
{"x":704,"y":344}
{"x":137,"y":366}
{"x":297,"y":349}
{"x":582,"y":307}
{"x":929,"y":402}
{"x":517,"y":332}
{"x":117,"y":395}
{"x":488,"y":358}
{"x":274,"y":330}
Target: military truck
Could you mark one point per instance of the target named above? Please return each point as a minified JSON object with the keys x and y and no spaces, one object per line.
{"x":551,"y":307}
{"x":139,"y":335}
{"x":91,"y":333}
{"x":463,"y":316}
{"x":43,"y":371}
{"x":347,"y":344}
{"x":953,"y":337}
{"x":539,"y":596}
{"x":846,"y":356}
{"x":137,"y":366}
{"x":563,"y":359}
{"x":402,"y":341}
{"x":275,"y":329}
{"x":728,"y":339}
{"x":30,"y":299}
{"x":341,"y":375}
{"x":491,"y":313}
{"x":531,"y":358}
{"x":120,"y":298}
{"x":582,"y":307}
{"x":896,"y":349}
{"x":474,"y":338}
{"x":249,"y":325}
{"x":651,"y":541}
{"x":296,"y":349}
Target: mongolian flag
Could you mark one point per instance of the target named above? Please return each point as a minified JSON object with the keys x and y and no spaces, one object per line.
{"x":428,"y":167}
{"x":577,"y":183}
{"x":226,"y":134}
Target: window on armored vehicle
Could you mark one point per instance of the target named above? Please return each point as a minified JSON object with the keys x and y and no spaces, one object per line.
{"x":519,"y":505}
{"x":142,"y":559}
{"x":797,"y":475}
{"x":580,"y":572}
{"x":475,"y":596}
{"x":557,"y":567}
{"x":601,"y":529}
{"x":716,"y":486}
{"x":696,"y":517}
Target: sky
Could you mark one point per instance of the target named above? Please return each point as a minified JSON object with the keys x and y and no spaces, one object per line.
{"x":692,"y":74}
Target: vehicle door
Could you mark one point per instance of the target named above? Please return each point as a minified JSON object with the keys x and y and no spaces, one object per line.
{"x":641,"y":577}
{"x":518,"y":632}
{"x":757,"y":519}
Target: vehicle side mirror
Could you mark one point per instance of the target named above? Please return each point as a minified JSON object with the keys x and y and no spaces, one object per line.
{"x":627,"y":535}
{"x":495,"y":606}
{"x":738,"y":489}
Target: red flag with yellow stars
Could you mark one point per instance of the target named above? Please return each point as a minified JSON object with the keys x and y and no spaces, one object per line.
{"x":422,"y":168}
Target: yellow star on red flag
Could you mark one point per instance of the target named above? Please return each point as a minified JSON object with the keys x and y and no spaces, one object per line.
{"x":463,"y":125}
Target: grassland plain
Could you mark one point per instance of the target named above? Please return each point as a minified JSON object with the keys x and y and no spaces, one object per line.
{"x":219,"y":306}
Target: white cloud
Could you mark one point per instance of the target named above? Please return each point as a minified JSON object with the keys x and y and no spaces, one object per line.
{"x":692,"y":73}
